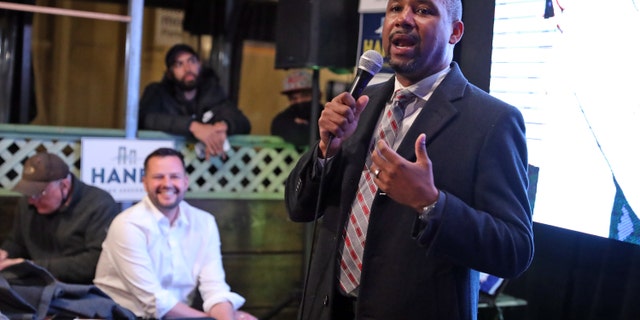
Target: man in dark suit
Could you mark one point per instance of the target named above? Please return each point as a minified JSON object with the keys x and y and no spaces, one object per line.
{"x":448,"y":195}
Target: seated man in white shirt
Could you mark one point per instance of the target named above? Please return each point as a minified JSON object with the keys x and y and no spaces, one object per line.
{"x":160,"y":250}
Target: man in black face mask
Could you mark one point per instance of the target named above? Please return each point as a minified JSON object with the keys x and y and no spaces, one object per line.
{"x":190,"y":101}
{"x":293,"y":124}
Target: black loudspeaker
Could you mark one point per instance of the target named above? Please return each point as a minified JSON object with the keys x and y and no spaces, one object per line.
{"x":317,"y":33}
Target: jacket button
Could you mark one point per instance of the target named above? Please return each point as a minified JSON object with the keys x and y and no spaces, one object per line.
{"x":298,"y":185}
{"x":325,"y":302}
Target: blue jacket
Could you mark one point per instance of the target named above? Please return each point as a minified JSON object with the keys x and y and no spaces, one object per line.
{"x":28,"y":291}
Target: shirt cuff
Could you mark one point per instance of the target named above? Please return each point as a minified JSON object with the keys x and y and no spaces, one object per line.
{"x":165,"y":302}
{"x":235,"y":299}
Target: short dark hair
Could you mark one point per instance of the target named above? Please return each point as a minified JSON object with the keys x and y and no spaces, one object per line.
{"x":173,"y":53}
{"x":454,"y":7}
{"x":163,"y":152}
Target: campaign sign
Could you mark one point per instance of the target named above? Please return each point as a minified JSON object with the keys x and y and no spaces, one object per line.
{"x":371,"y":36}
{"x":116,"y":165}
{"x":372,"y":6}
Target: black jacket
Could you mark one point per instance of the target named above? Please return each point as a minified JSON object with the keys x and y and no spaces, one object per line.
{"x":163,"y":107}
{"x":284,"y":124}
{"x":67,"y":242}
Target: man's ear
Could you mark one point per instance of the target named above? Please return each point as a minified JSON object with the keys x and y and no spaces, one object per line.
{"x":144,"y":182}
{"x":66,"y":182}
{"x":456,"y":32}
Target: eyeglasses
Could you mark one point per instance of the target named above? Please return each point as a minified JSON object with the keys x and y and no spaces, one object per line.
{"x":37,"y":197}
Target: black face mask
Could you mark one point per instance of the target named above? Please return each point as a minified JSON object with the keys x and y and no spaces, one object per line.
{"x":303,"y":109}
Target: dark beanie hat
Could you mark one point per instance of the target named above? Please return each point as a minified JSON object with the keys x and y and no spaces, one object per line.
{"x":173,"y":53}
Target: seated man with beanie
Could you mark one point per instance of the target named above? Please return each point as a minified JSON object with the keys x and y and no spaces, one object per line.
{"x":189,"y":101}
{"x":59,"y":223}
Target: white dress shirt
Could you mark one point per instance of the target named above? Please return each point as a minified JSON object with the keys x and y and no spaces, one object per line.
{"x":423,"y":90}
{"x":148,"y":266}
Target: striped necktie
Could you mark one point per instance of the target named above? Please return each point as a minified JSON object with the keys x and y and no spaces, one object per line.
{"x":355,"y":232}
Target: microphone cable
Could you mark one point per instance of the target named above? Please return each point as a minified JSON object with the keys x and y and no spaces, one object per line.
{"x":323,"y":173}
{"x":369,"y":64}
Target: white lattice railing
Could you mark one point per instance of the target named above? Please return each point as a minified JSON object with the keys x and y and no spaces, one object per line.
{"x":256,"y":167}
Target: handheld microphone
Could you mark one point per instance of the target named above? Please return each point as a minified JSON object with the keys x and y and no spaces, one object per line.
{"x":369,"y":64}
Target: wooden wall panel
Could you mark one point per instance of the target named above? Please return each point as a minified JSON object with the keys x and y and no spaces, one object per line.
{"x":79,"y":66}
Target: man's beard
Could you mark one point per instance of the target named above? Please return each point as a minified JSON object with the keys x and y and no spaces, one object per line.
{"x":405,"y":67}
{"x":187,"y":85}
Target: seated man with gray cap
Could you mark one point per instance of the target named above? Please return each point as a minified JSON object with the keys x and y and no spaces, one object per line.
{"x":60,"y":222}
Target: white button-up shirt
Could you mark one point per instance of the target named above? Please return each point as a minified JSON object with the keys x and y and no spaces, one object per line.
{"x":148,"y":266}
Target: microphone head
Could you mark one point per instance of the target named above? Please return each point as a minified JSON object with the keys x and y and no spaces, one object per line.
{"x":370,"y":61}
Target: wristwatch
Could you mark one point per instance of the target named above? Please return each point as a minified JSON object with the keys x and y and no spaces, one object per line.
{"x":424,"y":215}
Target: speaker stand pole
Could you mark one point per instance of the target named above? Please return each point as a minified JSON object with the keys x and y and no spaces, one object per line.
{"x":315,"y":109}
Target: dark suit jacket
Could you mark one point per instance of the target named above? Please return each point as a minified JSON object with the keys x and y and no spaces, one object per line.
{"x":413,"y":270}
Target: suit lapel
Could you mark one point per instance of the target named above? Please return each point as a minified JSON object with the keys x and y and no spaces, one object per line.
{"x":436,"y":113}
{"x":433,"y":118}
